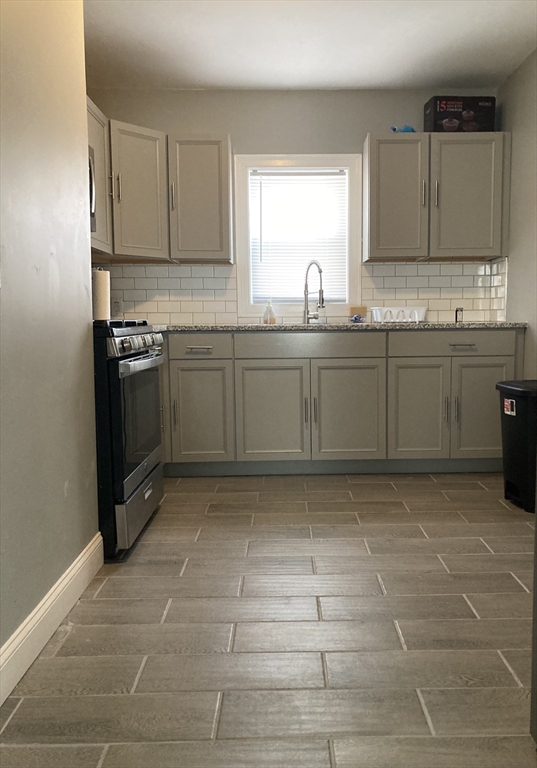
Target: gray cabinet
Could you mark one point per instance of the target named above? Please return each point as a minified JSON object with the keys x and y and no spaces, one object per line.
{"x":436,"y":196}
{"x":200,"y":178}
{"x":418,"y":407}
{"x":202,"y":410}
{"x":348,"y":408}
{"x":139,"y":169}
{"x":475,"y":424}
{"x":445,"y":407}
{"x":99,"y":142}
{"x":273,"y":409}
{"x":466,"y":181}
{"x":396,"y":201}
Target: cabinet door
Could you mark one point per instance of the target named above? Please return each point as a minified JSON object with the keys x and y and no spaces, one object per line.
{"x":466,"y":189}
{"x":200,"y":198}
{"x":139,"y":167}
{"x":396,"y":197}
{"x":99,"y":141}
{"x":202,"y":410}
{"x":273,"y":409}
{"x":418,"y":407}
{"x":476,"y":428}
{"x":349,"y":409}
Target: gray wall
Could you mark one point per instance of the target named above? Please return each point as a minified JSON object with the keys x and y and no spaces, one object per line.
{"x":517,"y":98}
{"x":49,"y":507}
{"x":271,"y":121}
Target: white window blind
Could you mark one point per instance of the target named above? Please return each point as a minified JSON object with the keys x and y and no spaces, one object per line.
{"x":296,"y":216}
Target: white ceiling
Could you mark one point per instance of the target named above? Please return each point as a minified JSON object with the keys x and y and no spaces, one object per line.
{"x":310,"y":44}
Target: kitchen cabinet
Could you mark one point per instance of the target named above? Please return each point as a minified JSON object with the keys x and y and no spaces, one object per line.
{"x":418,"y":407}
{"x":433,"y":196}
{"x":202,"y":410}
{"x":475,"y":423}
{"x":140,"y":204}
{"x":396,"y":200}
{"x":348,"y":401}
{"x":273,"y":409}
{"x":199,"y":196}
{"x":100,"y":179}
{"x":445,"y":407}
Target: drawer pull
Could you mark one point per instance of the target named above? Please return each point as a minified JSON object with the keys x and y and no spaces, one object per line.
{"x":148,"y":491}
{"x":462,"y":344}
{"x":194,"y":348}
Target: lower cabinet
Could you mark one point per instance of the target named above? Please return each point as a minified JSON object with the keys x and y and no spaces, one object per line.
{"x":318,"y":409}
{"x":203,"y":423}
{"x":349,"y":409}
{"x":273,"y":409}
{"x":445,"y":407}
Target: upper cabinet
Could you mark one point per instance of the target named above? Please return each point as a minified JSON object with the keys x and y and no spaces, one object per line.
{"x":100,"y":181}
{"x":466,"y":181}
{"x":396,"y":174}
{"x":200,"y":220}
{"x":140,"y":176}
{"x":433,"y":196}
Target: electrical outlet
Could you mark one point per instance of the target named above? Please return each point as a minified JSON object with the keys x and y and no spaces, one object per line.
{"x":117,"y":307}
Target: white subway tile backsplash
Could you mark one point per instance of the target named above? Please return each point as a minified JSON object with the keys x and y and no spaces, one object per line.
{"x":145,"y":282}
{"x":207,"y":294}
{"x":451,"y":269}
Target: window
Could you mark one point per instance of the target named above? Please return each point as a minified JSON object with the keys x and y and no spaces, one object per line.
{"x":291,"y":210}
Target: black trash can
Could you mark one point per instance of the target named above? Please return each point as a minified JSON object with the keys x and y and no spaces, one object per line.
{"x":518,"y":403}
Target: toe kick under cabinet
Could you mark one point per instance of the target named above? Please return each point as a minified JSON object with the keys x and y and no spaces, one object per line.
{"x":442,"y":398}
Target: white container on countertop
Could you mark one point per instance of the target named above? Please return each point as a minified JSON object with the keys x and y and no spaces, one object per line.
{"x":398,"y":314}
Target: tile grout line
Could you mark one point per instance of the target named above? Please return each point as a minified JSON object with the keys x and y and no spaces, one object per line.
{"x":399,"y":634}
{"x":425,"y":712}
{"x":487,"y":546}
{"x":521,"y":584}
{"x":421,"y":529}
{"x":511,"y":670}
{"x":241,"y":586}
{"x":332,"y":753}
{"x":60,"y":646}
{"x":103,"y":756}
{"x":319,"y":609}
{"x":366,"y":545}
{"x":445,"y":566}
{"x":197,"y":535}
{"x":314,"y":566}
{"x":3,"y":728}
{"x":217,"y":715}
{"x":472,"y":607}
{"x":381,"y":584}
{"x":183,"y":569}
{"x":232,"y":636}
{"x":168,"y":605}
{"x":311,"y":532}
{"x":139,"y":674}
{"x":102,"y":585}
{"x":325,"y":670}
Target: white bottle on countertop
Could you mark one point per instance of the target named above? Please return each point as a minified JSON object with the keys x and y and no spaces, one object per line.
{"x":269,"y":318}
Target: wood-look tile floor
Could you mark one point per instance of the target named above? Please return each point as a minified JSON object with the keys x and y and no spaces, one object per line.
{"x":296,"y":622}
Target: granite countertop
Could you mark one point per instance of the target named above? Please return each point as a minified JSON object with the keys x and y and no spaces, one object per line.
{"x":345,"y":327}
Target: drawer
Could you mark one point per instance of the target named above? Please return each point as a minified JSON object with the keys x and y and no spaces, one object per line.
{"x":450,"y":343}
{"x":200,"y":346}
{"x":272,"y":344}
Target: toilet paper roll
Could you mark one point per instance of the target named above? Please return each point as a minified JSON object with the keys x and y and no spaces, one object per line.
{"x":100,"y":280}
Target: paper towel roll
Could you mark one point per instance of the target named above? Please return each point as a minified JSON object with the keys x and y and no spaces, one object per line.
{"x":100,"y":280}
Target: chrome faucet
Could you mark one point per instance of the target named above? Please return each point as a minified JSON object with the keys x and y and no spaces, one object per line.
{"x":320,"y":303}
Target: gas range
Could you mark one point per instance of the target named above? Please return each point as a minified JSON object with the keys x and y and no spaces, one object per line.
{"x":124,"y":337}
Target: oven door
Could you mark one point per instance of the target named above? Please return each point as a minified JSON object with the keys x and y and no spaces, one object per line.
{"x":136,"y":428}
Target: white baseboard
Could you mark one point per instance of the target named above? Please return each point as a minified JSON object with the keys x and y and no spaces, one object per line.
{"x":28,"y":640}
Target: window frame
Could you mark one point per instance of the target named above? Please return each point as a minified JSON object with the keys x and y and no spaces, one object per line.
{"x":242,"y":166}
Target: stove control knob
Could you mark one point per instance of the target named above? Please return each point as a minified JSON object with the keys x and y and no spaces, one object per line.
{"x":127,"y":345}
{"x":159,"y":338}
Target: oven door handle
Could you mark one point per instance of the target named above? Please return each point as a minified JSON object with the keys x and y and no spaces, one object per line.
{"x":130,"y":367}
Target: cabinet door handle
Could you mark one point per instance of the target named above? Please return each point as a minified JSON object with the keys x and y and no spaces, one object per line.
{"x":194,"y":348}
{"x":436,"y":188}
{"x":306,"y":410}
{"x":423,"y":192}
{"x":173,"y":195}
{"x":162,"y":418}
{"x":93,"y":194}
{"x":111,"y":177}
{"x":446,"y":408}
{"x":175,"y":413}
{"x":315,"y":410}
{"x":457,"y":410}
{"x":119,"y":189}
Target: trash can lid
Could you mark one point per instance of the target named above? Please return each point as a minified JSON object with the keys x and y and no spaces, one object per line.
{"x":522,"y":388}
